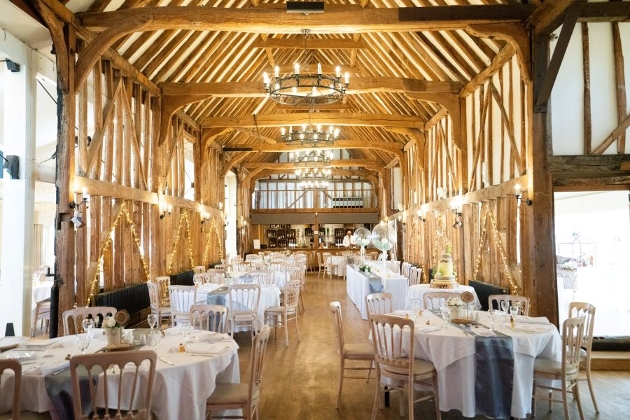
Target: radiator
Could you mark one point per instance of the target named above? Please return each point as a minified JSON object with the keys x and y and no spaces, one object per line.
{"x":134,"y":299}
{"x":484,"y":290}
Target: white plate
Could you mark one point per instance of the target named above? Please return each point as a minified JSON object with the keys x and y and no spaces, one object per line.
{"x":20,"y":355}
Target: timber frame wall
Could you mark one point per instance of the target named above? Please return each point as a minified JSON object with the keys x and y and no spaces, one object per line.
{"x":487,"y":139}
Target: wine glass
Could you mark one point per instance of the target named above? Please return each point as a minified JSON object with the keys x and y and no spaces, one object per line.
{"x":152,"y":320}
{"x":514,"y":311}
{"x":185,"y":329}
{"x":446,"y":314}
{"x":83,"y":342}
{"x":505,"y":305}
{"x":88,"y":325}
{"x":493,"y":313}
{"x":156,"y":336}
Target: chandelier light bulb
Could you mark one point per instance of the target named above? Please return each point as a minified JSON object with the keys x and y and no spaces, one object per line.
{"x":338,"y":71}
{"x":266,"y":79}
{"x":319,"y":68}
{"x":276,"y":71}
{"x":297,"y":68}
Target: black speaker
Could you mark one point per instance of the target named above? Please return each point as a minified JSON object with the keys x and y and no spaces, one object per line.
{"x":12,"y":66}
{"x":11,"y":165}
{"x":305,"y":7}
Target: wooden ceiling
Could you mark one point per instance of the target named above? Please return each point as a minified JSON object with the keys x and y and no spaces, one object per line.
{"x":404,"y":57}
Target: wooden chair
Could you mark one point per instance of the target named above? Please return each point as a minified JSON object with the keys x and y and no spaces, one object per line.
{"x":264,"y":278}
{"x":279,"y":316}
{"x":215,"y":275}
{"x":587,"y":310}
{"x":349,"y":351}
{"x":379,"y":303}
{"x":567,"y":370}
{"x":163,"y":283}
{"x":433,"y":300}
{"x":155,"y":303}
{"x":242,"y":303}
{"x":243,"y":395}
{"x":41,"y":315}
{"x":209,"y":317}
{"x":198,"y":269}
{"x":494,"y":302}
{"x":73,"y":318}
{"x":321,"y":266}
{"x":182,"y":298}
{"x":138,"y":369}
{"x":393,"y":363}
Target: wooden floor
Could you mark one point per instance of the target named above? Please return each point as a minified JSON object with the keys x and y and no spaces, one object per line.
{"x":300,"y":381}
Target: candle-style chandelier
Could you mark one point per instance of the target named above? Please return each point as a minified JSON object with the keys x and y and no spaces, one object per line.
{"x":313,"y":158}
{"x":310,"y":134}
{"x":307,"y":88}
{"x":313,"y":174}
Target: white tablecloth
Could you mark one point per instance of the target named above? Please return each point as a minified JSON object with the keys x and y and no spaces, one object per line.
{"x":417,"y":291}
{"x":340,"y":262}
{"x":358,"y":287}
{"x":269,"y":296}
{"x":453,"y":353}
{"x":41,"y":291}
{"x":179,"y":391}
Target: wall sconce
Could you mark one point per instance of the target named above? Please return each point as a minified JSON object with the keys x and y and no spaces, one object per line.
{"x":165,"y":211}
{"x":421,"y":215}
{"x":457,"y":224}
{"x":77,"y":218}
{"x":519,"y":197}
{"x":457,"y":212}
{"x":204,"y":217}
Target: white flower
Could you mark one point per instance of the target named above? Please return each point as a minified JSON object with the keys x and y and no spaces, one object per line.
{"x":110,"y":322}
{"x":455,"y":301}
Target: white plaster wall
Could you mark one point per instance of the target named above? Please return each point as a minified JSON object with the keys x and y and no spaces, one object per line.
{"x":567,"y":98}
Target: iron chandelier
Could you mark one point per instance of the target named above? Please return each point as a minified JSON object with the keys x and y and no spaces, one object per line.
{"x":313,"y":158}
{"x":310,"y":134}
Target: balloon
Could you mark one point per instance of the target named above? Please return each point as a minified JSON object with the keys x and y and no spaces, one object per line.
{"x":383,"y":237}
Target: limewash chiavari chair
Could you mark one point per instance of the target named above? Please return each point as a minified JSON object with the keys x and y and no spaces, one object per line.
{"x":155,"y":303}
{"x":279,"y":316}
{"x":209,"y":317}
{"x":182,"y":298}
{"x":363,"y":352}
{"x":587,"y":310}
{"x":434,"y":300}
{"x":494,"y":302}
{"x":242,"y":303}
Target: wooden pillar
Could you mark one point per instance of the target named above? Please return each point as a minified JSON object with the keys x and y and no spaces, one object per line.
{"x":539,"y":276}
{"x":64,"y":238}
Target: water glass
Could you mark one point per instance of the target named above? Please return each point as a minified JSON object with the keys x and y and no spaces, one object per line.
{"x":83,"y":342}
{"x":152,"y":320}
{"x":156,"y":336}
{"x":88,"y":325}
{"x":185,"y":329}
{"x":514,"y":311}
{"x":446,"y":315}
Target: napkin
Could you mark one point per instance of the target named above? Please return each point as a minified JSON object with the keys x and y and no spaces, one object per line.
{"x":53,"y":343}
{"x":205,"y":349}
{"x":529,"y":328}
{"x":532,"y":319}
{"x":426,"y":328}
{"x":50,"y":369}
{"x":484,"y":332}
{"x":208,"y":336}
{"x":172,"y":331}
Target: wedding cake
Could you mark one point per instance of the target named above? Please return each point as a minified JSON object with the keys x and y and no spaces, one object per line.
{"x":444,"y":276}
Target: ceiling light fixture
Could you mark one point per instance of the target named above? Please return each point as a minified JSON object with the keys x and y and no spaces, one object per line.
{"x":313,"y":175}
{"x":313,"y":158}
{"x":307,"y":88}
{"x":309,"y":134}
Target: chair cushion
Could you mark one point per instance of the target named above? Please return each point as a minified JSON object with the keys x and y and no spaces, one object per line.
{"x":420,"y":367}
{"x":230,"y":394}
{"x":358,"y":350}
{"x":551,"y":367}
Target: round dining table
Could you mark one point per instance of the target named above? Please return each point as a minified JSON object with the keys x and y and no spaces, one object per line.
{"x":453,"y":350}
{"x":183,"y":380}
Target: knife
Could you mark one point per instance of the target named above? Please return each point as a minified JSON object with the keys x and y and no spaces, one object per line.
{"x":168,"y":362}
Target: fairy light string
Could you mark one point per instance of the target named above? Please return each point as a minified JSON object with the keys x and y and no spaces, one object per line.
{"x":122,"y":211}
{"x":183,"y":218}
{"x":498,"y":243}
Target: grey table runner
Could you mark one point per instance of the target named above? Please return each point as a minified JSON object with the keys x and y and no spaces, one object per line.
{"x":494,"y":358}
{"x":59,"y":389}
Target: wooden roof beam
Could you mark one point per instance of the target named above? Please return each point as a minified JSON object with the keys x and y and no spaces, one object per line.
{"x":278,"y":21}
{"x":333,"y":118}
{"x":339,"y":163}
{"x":339,"y":144}
{"x":309,"y":44}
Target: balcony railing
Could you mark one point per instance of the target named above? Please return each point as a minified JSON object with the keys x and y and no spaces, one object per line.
{"x":314,"y":198}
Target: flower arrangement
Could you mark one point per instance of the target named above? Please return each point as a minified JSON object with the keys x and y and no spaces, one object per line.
{"x":455,"y":302}
{"x":110,"y":322}
{"x":364,"y":268}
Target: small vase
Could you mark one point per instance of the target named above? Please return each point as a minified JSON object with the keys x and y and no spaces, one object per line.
{"x":114,"y":336}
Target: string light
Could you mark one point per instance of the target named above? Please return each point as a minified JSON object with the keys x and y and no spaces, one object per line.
{"x":182,"y":219}
{"x":514,"y":288}
{"x":123,"y":211}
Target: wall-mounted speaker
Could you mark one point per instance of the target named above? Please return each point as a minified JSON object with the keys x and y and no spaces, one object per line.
{"x":305,"y":7}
